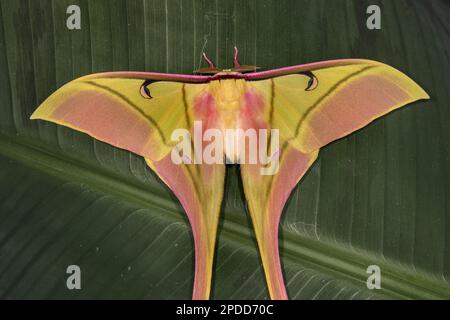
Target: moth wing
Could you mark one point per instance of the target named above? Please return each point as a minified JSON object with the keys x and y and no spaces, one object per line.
{"x":346,"y":96}
{"x":325,"y":102}
{"x":119,"y":110}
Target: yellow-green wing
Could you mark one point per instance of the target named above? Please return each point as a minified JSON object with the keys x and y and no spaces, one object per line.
{"x":322,"y":103}
{"x":119,"y":111}
{"x":140,"y":116}
{"x":344,"y":98}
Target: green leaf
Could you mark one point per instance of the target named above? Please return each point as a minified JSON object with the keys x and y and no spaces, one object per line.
{"x":377,"y":197}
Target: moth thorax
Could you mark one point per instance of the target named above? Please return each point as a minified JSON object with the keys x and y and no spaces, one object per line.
{"x":228,"y":94}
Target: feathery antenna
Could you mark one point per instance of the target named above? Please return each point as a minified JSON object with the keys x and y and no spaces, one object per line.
{"x":211,"y":64}
{"x":236,"y":58}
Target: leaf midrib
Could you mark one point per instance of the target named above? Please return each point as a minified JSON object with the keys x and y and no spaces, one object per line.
{"x":323,"y":256}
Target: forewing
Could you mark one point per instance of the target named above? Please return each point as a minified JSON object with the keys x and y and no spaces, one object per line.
{"x":117,"y":111}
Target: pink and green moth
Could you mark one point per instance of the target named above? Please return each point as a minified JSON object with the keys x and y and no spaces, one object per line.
{"x":311,"y":105}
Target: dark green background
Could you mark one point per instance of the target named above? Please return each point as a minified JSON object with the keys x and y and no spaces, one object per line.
{"x":379,"y":196}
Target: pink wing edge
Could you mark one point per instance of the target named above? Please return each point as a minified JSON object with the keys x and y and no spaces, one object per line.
{"x":188,"y":78}
{"x":305,"y":67}
{"x":150,"y":75}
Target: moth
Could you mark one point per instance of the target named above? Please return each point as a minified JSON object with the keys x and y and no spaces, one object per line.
{"x":307,"y":106}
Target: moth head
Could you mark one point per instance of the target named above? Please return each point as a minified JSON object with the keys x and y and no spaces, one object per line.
{"x":238,"y":68}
